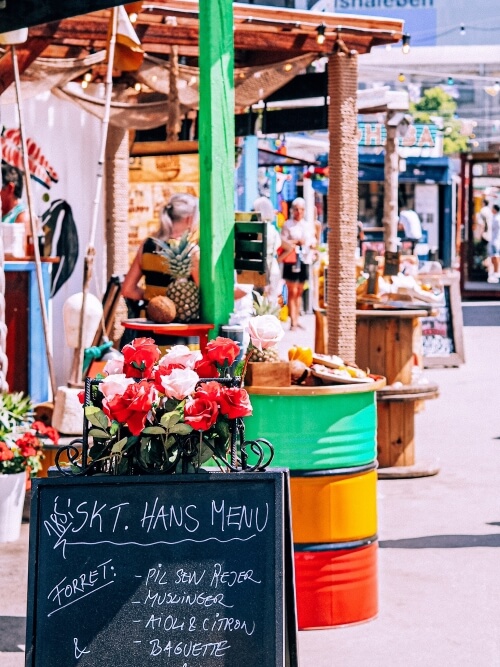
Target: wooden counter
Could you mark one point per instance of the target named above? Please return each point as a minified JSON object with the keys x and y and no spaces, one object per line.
{"x":386,"y":341}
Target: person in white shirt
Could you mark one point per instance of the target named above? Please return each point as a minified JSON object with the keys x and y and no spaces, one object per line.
{"x":409,"y":224}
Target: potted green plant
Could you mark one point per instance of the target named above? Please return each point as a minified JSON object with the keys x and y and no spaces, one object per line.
{"x":21,"y":454}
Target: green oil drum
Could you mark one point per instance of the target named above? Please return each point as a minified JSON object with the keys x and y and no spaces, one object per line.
{"x":316,"y":428}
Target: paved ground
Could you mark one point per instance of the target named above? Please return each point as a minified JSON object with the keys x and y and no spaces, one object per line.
{"x":439,"y":561}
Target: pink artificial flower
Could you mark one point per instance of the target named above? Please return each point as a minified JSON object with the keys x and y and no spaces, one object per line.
{"x":114,"y":385}
{"x":265,"y":331}
{"x":179,"y":383}
{"x":180,"y":356}
{"x":113,"y":367}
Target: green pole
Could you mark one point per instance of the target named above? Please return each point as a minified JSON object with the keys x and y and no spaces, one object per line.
{"x":216,"y":142}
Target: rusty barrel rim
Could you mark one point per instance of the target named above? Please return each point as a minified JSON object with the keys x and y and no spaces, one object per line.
{"x":334,"y":546}
{"x":332,"y":472}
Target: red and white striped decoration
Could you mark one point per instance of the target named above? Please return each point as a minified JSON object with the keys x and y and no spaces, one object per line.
{"x":39,"y":167}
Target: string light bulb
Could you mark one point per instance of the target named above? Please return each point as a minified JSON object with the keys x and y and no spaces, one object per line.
{"x":406,"y":44}
{"x":462,"y":29}
{"x":450,"y":81}
{"x":85,"y":84}
{"x":320,"y":37}
{"x":133,"y":17}
{"x":87,"y":76}
{"x":401,"y":77}
{"x":137,"y":86}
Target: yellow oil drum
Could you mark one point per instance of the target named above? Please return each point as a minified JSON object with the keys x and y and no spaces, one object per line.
{"x":338,"y":505}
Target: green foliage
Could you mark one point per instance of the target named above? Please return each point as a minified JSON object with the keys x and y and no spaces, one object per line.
{"x":436,"y":102}
{"x":16,"y":409}
{"x":156,"y":447}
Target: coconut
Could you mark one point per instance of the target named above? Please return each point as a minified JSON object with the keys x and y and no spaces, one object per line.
{"x":299,"y":371}
{"x":161,"y":309}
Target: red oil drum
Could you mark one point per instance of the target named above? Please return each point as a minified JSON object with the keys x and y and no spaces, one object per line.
{"x":336,"y":584}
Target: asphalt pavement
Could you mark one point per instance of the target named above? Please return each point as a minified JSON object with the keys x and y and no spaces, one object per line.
{"x":439,"y":556}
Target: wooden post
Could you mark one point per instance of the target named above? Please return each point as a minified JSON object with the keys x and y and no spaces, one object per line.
{"x":342,"y":203}
{"x":391,"y":179}
{"x":116,"y":202}
{"x":217,"y":150}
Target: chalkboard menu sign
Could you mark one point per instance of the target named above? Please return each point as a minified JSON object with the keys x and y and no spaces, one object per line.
{"x":185,"y":571}
{"x":442,"y":337}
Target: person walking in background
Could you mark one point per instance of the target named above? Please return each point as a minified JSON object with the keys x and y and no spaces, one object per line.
{"x":482,"y":225}
{"x":264,"y":206}
{"x":296,"y":260}
{"x":494,"y":245}
{"x":13,"y":208}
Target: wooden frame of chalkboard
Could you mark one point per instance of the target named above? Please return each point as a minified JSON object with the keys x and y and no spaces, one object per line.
{"x":186,"y":570}
{"x":444,"y":348}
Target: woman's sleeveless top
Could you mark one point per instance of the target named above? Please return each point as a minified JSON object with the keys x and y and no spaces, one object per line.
{"x":154,"y":269}
{"x":12,"y":215}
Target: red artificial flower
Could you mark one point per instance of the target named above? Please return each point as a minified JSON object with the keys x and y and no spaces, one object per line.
{"x":235,"y":402}
{"x":206,"y":369}
{"x":28,"y":441}
{"x":210,"y":390}
{"x":139,"y":358}
{"x":201,"y":413}
{"x":6,"y":454}
{"x":43,"y":429}
{"x":81,"y":396}
{"x":27,"y":451}
{"x":132,"y":406}
{"x":52,"y":434}
{"x":221,"y":350}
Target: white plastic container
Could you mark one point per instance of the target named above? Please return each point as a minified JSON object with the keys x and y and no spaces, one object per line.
{"x":12,"y":492}
{"x":14,"y":239}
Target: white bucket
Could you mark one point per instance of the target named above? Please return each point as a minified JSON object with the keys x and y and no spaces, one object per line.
{"x":12,"y":492}
{"x":14,"y":238}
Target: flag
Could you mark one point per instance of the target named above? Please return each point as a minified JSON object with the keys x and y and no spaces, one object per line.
{"x":128,"y":50}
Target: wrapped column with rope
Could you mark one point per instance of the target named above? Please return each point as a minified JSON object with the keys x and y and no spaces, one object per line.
{"x":342,"y":203}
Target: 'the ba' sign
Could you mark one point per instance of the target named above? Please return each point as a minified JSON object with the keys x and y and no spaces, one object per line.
{"x":417,"y":136}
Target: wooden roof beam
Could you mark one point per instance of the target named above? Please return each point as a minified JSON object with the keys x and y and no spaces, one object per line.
{"x":26,"y":54}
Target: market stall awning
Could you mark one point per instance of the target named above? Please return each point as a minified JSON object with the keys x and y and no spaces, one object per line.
{"x":268,"y":158}
{"x":262,"y":35}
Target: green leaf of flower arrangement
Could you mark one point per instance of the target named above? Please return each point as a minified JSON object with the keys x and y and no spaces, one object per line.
{"x":99,"y":433}
{"x":118,"y":446}
{"x":153,"y":430}
{"x":96,"y":416}
{"x":181,"y":429}
{"x":169,"y":419}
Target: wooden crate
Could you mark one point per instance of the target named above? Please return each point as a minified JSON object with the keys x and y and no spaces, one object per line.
{"x":268,"y":374}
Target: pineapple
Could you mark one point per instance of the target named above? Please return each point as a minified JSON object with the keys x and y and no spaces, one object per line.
{"x":262,"y":306}
{"x":182,"y":291}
